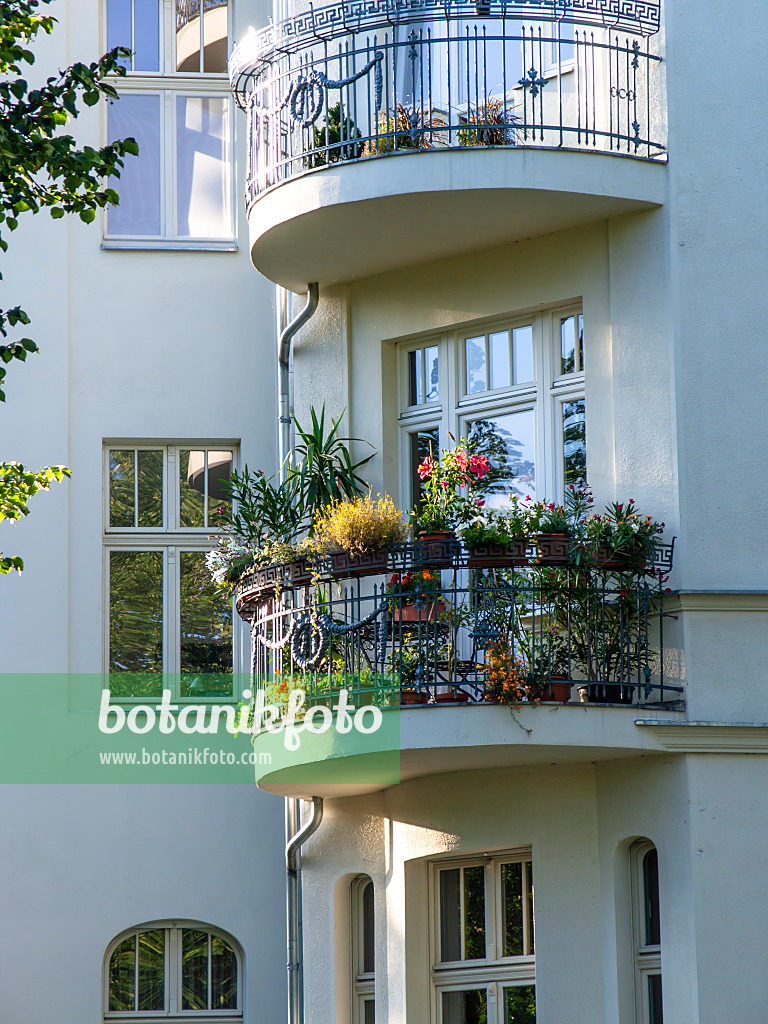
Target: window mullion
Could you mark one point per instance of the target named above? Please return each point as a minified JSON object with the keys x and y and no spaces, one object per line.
{"x":172,"y":970}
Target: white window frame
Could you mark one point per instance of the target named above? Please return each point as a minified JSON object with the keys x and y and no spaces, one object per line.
{"x":647,"y":958}
{"x":496,"y":972}
{"x":171,"y":540}
{"x":456,"y":409}
{"x":170,"y":84}
{"x":363,"y":982}
{"x":173,"y":1011}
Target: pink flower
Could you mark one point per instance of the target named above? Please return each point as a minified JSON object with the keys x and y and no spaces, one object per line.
{"x":479,"y":464}
{"x":426,"y":469}
{"x":462,"y":459}
{"x":479,"y":502}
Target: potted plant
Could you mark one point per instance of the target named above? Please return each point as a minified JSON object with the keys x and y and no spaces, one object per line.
{"x":553,"y":529}
{"x":448,"y":484}
{"x":497,"y":537}
{"x":362,"y":530}
{"x":414,"y":596}
{"x":507,"y":678}
{"x":618,"y":539}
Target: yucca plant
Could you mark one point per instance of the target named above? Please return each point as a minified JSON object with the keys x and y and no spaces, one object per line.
{"x":323,"y":466}
{"x":489,"y":124}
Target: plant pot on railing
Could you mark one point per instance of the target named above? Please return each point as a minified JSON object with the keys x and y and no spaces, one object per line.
{"x":300,"y":573}
{"x":556,"y":688}
{"x":452,"y":697}
{"x":498,"y":555}
{"x":369,"y":563}
{"x":553,"y":548}
{"x":437,"y":548}
{"x":410,"y":613}
{"x":605,"y":556}
{"x":606,"y":693}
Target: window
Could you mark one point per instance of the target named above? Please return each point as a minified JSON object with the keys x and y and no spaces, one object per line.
{"x":646,"y":927}
{"x":166,"y":626}
{"x":172,"y":970}
{"x":175,"y":102}
{"x":483,"y":948}
{"x":516,"y":387}
{"x":363,"y":957}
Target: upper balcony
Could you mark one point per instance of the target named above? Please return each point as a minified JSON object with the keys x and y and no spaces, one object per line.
{"x":522,"y":127}
{"x":574,"y":643}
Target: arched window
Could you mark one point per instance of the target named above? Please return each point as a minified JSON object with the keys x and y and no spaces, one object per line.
{"x":173,"y":970}
{"x":646,"y":927}
{"x":363,"y":956}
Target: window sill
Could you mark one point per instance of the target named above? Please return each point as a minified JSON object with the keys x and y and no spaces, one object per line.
{"x":171,"y":245}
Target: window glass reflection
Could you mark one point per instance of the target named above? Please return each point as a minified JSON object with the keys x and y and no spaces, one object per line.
{"x":508,"y":443}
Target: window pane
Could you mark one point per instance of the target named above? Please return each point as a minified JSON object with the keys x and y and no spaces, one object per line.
{"x":512,"y":903}
{"x":202,"y":138}
{"x":191,"y":488}
{"x":567,"y":340}
{"x":152,"y":970}
{"x":147,"y":39}
{"x":499,"y":349}
{"x":651,"y":888}
{"x":520,"y":1005}
{"x":150,"y":488}
{"x":194,"y":970}
{"x":430,"y":367}
{"x":205,"y":620}
{"x":122,"y":976}
{"x":474,"y":913}
{"x":581,"y":342}
{"x":469,"y":1007}
{"x":215,"y":35}
{"x":223,"y":975}
{"x":369,"y":934}
{"x":450,"y":915}
{"x":139,"y":182}
{"x":119,"y":30}
{"x":523,"y":354}
{"x":188,"y":35}
{"x":369,"y":1016}
{"x":575,"y":443}
{"x":422,"y":444}
{"x":136,"y":621}
{"x":529,"y":873}
{"x":508,"y":444}
{"x":415,"y":379}
{"x":121,"y":488}
{"x":475,"y":365}
{"x":219,"y":472}
{"x":655,"y":1014}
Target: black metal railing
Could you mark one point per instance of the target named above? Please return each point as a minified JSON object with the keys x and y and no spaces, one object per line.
{"x":433,"y":623}
{"x":475,"y":80}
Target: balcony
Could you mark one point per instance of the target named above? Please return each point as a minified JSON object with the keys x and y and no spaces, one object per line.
{"x":473,"y":659}
{"x":521,"y":127}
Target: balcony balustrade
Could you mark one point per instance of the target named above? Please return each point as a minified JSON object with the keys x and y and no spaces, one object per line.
{"x":448,"y":625}
{"x":339,"y":90}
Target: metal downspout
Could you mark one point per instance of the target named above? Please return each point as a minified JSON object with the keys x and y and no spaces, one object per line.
{"x":283,"y":369}
{"x":294,"y":841}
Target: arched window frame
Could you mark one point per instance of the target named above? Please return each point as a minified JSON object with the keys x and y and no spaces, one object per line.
{"x":646,"y":952}
{"x":363,"y":934}
{"x":172,"y":1010}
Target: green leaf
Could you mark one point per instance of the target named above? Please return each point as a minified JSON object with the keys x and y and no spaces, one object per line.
{"x":56,"y":212}
{"x":87,"y":216}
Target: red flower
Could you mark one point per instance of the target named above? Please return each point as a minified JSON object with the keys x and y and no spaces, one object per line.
{"x":426,"y":468}
{"x":479,"y":502}
{"x":479,"y":464}
{"x":462,"y":459}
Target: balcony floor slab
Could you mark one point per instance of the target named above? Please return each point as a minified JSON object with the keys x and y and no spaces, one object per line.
{"x":379,"y":214}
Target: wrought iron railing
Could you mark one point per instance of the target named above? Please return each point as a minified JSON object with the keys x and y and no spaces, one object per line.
{"x":188,"y":10}
{"x":475,"y":78}
{"x":440,"y":624}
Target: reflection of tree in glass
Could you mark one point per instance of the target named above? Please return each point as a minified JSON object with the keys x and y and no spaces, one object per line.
{"x":206,"y":629}
{"x":136,"y":620}
{"x":574,"y":444}
{"x":194,"y":970}
{"x":521,"y":1005}
{"x":512,"y":882}
{"x":504,"y":454}
{"x":474,"y":913}
{"x":475,"y":365}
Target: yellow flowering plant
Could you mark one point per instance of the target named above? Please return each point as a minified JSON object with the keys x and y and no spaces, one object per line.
{"x":359,"y":526}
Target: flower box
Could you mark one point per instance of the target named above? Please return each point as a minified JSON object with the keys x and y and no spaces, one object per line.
{"x":452,"y":697}
{"x":553,"y":549}
{"x":437,"y":548}
{"x":605,"y":556}
{"x":300,"y":573}
{"x":411,"y":697}
{"x":500,"y":555}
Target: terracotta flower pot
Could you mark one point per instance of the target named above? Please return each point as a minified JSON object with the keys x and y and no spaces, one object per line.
{"x":410,"y":697}
{"x":605,"y":556}
{"x":499,"y":555}
{"x":300,"y":573}
{"x":558,"y":688}
{"x":410,"y":613}
{"x":452,"y":697}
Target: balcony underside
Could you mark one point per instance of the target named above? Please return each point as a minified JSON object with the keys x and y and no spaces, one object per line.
{"x":385,"y":212}
{"x":435,"y":740}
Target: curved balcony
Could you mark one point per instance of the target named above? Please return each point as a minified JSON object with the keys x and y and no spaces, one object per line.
{"x":432,"y":636}
{"x":522,"y":128}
